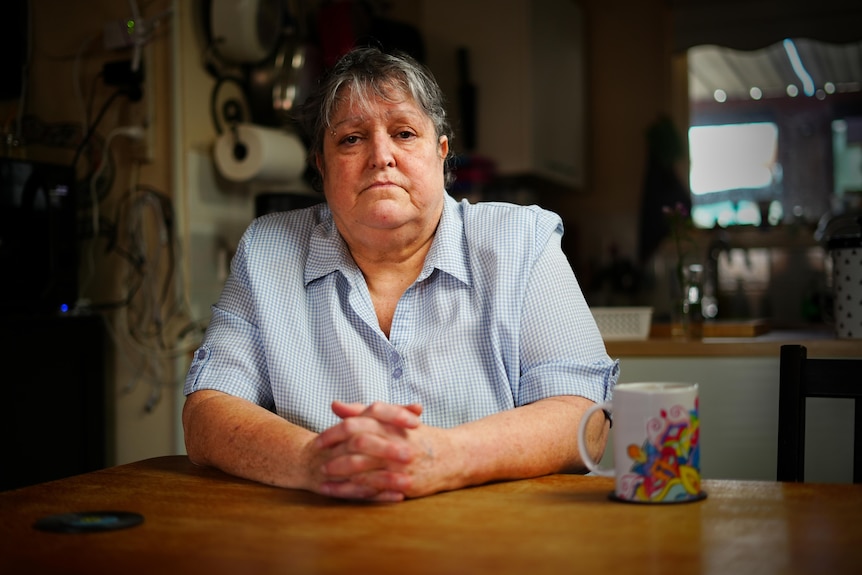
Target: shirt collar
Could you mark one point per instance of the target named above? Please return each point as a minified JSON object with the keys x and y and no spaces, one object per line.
{"x":448,"y":253}
{"x":328,"y":252}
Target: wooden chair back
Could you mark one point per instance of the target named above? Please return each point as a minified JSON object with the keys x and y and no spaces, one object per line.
{"x":801,"y":378}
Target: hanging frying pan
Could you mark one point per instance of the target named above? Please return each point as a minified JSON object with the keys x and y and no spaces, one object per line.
{"x":285,"y":80}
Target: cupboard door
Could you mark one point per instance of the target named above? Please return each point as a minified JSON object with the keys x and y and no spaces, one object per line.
{"x":528,"y":67}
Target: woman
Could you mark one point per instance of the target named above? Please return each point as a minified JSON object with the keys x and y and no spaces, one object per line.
{"x":392,"y":342}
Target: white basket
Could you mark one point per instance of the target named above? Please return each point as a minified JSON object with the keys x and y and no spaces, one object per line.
{"x":623,"y":323}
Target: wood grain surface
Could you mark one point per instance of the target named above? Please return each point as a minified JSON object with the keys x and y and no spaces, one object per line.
{"x":200,"y":520}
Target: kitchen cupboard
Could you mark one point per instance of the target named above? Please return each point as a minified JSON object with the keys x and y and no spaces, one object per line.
{"x":526,"y":61}
{"x":739,"y":417}
{"x":58,"y":419}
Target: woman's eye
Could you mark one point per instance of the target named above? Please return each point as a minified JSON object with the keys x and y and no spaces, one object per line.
{"x":404,"y":135}
{"x":350,"y":139}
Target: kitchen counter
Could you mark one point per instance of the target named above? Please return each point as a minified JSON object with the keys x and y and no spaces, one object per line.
{"x":820,"y":343}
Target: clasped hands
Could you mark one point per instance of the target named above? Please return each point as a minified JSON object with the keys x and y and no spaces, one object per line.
{"x":380,"y":452}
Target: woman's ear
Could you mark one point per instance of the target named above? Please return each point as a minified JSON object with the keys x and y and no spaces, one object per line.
{"x":318,"y":163}
{"x":444,"y":147}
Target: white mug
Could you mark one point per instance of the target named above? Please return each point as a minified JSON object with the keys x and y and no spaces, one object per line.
{"x":656,"y":437}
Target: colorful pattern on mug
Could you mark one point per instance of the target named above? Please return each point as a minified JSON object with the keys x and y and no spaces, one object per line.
{"x":667,"y":466}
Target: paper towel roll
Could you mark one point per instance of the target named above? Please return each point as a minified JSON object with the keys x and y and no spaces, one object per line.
{"x":260,"y":154}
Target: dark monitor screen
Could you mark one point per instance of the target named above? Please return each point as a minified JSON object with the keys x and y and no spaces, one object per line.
{"x":38,"y":237}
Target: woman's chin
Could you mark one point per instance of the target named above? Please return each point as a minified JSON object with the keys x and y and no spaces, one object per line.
{"x":388,"y":214}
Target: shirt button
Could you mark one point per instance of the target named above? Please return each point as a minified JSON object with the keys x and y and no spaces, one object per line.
{"x":393,"y":357}
{"x":202,"y":354}
{"x":397,"y":373}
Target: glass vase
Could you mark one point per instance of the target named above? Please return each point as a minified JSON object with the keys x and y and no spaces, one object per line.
{"x":686,"y":322}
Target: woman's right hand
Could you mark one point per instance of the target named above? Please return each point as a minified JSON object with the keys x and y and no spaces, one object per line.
{"x":364,"y":456}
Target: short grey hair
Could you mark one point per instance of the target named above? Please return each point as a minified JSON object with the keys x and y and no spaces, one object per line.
{"x":368,"y":73}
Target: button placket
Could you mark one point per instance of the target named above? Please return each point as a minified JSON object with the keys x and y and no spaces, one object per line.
{"x":395,"y":364}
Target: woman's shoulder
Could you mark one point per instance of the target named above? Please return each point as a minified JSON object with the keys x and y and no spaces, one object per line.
{"x":284,"y":232}
{"x":289,"y":224}
{"x":500,"y":220}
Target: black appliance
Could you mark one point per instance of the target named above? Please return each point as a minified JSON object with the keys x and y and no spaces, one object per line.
{"x":38,"y":237}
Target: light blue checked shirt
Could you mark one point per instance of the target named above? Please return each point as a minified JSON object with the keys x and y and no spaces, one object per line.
{"x":495,"y":320}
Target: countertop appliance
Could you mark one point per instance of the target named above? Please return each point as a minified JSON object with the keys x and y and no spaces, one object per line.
{"x":38,"y":237}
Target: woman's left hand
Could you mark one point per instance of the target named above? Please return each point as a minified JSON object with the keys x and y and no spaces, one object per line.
{"x":381,"y":446}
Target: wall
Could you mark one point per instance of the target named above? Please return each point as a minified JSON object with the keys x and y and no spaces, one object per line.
{"x":631,"y":78}
{"x":64,"y":80}
{"x":630,"y":85}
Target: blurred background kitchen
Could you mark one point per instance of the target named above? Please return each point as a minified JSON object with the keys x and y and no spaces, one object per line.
{"x":158,"y":129}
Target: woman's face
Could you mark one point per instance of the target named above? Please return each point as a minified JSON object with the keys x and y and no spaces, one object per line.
{"x":382,"y":170}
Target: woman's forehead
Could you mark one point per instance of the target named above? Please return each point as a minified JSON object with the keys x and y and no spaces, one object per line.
{"x":355,"y":108}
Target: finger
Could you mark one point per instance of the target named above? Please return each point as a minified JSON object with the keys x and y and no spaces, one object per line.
{"x":348,"y":490}
{"x":344,"y":466}
{"x":345,"y":410}
{"x":402,"y":416}
{"x":345,"y":430}
{"x":415,"y":408}
{"x":384,"y":480}
{"x":406,"y":416}
{"x":367,"y":452}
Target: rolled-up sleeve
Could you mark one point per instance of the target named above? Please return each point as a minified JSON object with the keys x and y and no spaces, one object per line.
{"x":562,"y":351}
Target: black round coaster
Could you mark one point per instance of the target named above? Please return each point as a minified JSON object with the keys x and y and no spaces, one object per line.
{"x":89,"y":521}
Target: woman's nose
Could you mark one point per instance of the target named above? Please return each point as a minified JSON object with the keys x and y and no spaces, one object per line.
{"x":382,"y":151}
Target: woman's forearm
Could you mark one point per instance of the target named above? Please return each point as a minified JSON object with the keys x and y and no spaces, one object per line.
{"x":528,"y":441}
{"x":246,"y":440}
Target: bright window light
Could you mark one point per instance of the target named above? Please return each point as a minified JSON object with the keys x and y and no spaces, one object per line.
{"x":732,"y":156}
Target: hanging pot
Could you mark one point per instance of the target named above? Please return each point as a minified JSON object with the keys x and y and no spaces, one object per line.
{"x":282,"y":83}
{"x":288,"y":77}
{"x":846,"y":253}
{"x":244,"y":32}
{"x":297,"y":79}
{"x":260,"y":81}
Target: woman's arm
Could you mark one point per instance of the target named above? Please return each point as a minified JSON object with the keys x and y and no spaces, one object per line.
{"x":246,"y":440}
{"x":382,"y":452}
{"x":527,"y":441}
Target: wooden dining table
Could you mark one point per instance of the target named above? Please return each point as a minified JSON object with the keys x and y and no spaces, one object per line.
{"x":200,"y":520}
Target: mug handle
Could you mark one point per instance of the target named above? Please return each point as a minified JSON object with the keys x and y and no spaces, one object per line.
{"x":582,"y":445}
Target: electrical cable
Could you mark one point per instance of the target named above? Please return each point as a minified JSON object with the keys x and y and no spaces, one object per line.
{"x":134,"y":132}
{"x":138,"y":33}
{"x":88,"y":110}
{"x":162,"y":327}
{"x":149,"y":323}
{"x":92,"y":128}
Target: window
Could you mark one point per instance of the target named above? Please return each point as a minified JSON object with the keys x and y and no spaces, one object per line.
{"x":734,"y":172}
{"x":774,"y":138}
{"x":847,"y":152}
